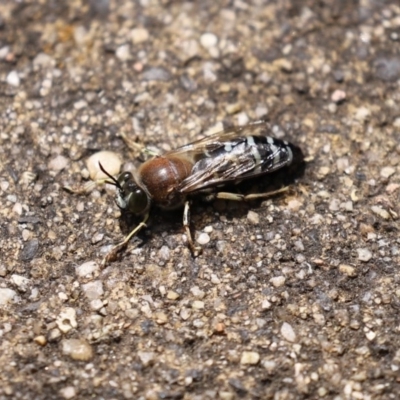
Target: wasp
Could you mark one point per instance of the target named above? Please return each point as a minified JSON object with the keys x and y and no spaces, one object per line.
{"x":200,"y":168}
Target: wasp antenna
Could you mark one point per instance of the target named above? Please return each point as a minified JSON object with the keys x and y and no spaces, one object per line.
{"x":114,"y":181}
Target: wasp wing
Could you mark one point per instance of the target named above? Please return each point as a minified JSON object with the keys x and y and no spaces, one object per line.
{"x":235,"y":158}
{"x":211,"y":143}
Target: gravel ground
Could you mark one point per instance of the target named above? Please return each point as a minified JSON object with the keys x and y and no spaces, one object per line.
{"x":293,"y":297}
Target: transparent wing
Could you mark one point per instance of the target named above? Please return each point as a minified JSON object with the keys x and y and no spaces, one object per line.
{"x":217,"y":140}
{"x":236,"y":159}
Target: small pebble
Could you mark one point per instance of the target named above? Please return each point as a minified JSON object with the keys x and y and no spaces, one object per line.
{"x":66,"y":320}
{"x":278,"y":281}
{"x":266,"y":305}
{"x":87,"y":269}
{"x":30,"y":249}
{"x":171,"y":295}
{"x":6,"y":295}
{"x":93,"y":290}
{"x":347,"y":270}
{"x":364,"y":254}
{"x":96,"y":304}
{"x":98,"y":237}
{"x":80,"y":104}
{"x":380,"y":212}
{"x":370,"y":335}
{"x":139,"y":35}
{"x":208,"y":40}
{"x":4,"y":51}
{"x":58,"y":163}
{"x":269,"y":365}
{"x":387,"y":68}
{"x":13,"y":78}
{"x":110,"y":161}
{"x":164,"y":253}
{"x":362,"y":114}
{"x":161,"y":318}
{"x":250,"y":358}
{"x":20,"y":282}
{"x":77,"y":349}
{"x":203,"y":238}
{"x":146,"y":357}
{"x":215,"y":280}
{"x":198,"y":305}
{"x":156,"y":74}
{"x":387,"y":172}
{"x":287,"y":332}
{"x":208,"y":229}
{"x":40,"y":340}
{"x":200,"y":294}
{"x":185,"y":313}
{"x":123,"y":52}
{"x":338,"y":96}
{"x":253,"y":217}
{"x":69,"y":392}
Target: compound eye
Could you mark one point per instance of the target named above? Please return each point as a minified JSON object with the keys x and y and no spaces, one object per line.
{"x":124,"y":177}
{"x":138,"y":201}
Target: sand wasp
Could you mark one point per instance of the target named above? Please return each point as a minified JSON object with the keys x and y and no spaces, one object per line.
{"x":200,"y":168}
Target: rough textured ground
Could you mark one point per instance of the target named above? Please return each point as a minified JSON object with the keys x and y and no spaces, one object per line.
{"x":293,"y":297}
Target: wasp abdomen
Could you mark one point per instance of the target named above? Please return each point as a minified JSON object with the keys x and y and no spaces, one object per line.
{"x":161,"y":175}
{"x":261,"y":154}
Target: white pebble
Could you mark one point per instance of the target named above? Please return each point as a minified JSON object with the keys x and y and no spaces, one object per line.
{"x":338,"y":96}
{"x":139,"y":35}
{"x":110,"y":161}
{"x":362,"y":114}
{"x":13,"y":78}
{"x":66,"y":320}
{"x":364,"y":255}
{"x":69,"y":392}
{"x":287,"y":332}
{"x":20,"y":282}
{"x":98,"y":237}
{"x":250,"y":358}
{"x":93,"y":290}
{"x":4,"y":51}
{"x":96,"y":304}
{"x":146,"y":357}
{"x":123,"y":52}
{"x":87,"y":269}
{"x":77,"y":349}
{"x":387,"y":172}
{"x":43,"y":60}
{"x":380,"y":212}
{"x":6,"y":295}
{"x":253,"y":217}
{"x":203,"y":238}
{"x":164,"y":253}
{"x":370,"y":335}
{"x":266,"y":305}
{"x":58,"y":163}
{"x":80,"y":104}
{"x":208,"y":40}
{"x":278,"y":281}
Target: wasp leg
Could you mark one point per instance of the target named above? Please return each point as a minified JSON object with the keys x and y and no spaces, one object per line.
{"x":87,"y":187}
{"x":196,"y":250}
{"x":137,"y":147}
{"x":241,"y":197}
{"x":112,"y":254}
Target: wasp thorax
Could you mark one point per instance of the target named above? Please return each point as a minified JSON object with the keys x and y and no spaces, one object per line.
{"x":161,"y":176}
{"x":131,"y":197}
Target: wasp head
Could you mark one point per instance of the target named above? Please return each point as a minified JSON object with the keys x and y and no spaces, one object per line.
{"x":130,"y":197}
